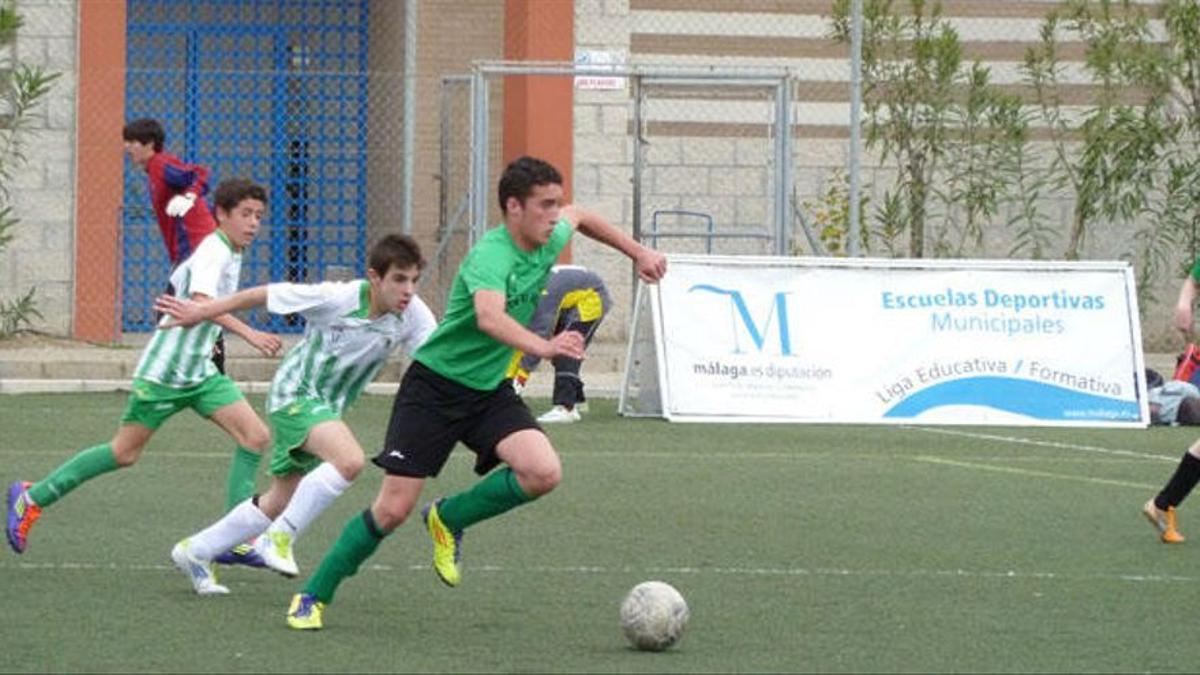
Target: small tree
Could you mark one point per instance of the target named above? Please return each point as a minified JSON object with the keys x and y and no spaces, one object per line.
{"x":829,"y":215}
{"x":1110,"y":158}
{"x":1132,"y":156}
{"x":22,"y":87}
{"x":1175,"y":215}
{"x":948,"y":132}
{"x":981,"y":163}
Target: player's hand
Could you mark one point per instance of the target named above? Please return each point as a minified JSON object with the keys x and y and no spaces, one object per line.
{"x":268,"y":344}
{"x":181,"y":204}
{"x":651,"y":265}
{"x":568,"y":343}
{"x":185,"y":313}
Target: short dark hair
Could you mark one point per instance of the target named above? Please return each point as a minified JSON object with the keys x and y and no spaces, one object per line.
{"x":522,"y":175}
{"x":394,"y":250}
{"x":231,"y":191}
{"x":145,"y":130}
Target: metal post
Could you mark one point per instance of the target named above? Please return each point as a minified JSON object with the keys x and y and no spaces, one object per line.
{"x":636,"y":86}
{"x":783,"y":165}
{"x":445,"y":176}
{"x":410,"y":108}
{"x":479,"y":155}
{"x":635,"y":82}
{"x":855,"y":159}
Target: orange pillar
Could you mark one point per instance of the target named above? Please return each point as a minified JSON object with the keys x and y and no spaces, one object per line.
{"x":99,"y":175}
{"x":539,"y":110}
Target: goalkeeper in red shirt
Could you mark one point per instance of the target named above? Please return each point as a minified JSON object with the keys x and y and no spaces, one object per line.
{"x":177,"y":195}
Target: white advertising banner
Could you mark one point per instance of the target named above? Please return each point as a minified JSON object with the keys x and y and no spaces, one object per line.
{"x":899,"y":341}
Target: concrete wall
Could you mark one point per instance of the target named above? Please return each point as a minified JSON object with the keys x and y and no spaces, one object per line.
{"x":42,"y":192}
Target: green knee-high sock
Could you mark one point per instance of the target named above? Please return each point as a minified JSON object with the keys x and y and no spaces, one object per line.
{"x":489,"y":497}
{"x":242,"y":473}
{"x":358,"y":541}
{"x":84,"y":466}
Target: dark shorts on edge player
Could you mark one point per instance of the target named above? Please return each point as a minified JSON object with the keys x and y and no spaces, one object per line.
{"x":431,"y":413}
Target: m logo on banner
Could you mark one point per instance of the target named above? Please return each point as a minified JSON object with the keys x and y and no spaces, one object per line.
{"x":777,"y":315}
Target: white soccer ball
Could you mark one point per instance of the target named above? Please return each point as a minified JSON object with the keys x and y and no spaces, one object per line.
{"x":653,"y":616}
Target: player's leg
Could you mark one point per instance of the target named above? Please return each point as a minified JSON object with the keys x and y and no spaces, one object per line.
{"x":226,"y":406}
{"x":26,"y":500}
{"x":219,"y":400}
{"x":358,"y":541}
{"x":505,"y":432}
{"x":427,"y":417}
{"x":1160,"y":510}
{"x":567,"y":394}
{"x":533,"y":470}
{"x":148,"y":406}
{"x":196,"y":554}
{"x":568,"y":384}
{"x":332,"y":441}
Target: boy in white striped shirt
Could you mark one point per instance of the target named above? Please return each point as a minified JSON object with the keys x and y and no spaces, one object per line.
{"x":176,"y":372}
{"x":351,"y":330}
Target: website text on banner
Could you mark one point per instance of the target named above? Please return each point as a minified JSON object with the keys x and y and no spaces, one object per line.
{"x":899,"y":341}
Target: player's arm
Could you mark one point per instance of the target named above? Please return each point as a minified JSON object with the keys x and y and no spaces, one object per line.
{"x":545,"y":315}
{"x":266,"y":343}
{"x":493,"y":320}
{"x":204,"y":308}
{"x":651,"y":264}
{"x":423,"y":321}
{"x":1183,"y":306}
{"x":188,"y":182}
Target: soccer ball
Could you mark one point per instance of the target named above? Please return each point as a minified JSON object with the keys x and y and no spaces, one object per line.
{"x":653,"y":616}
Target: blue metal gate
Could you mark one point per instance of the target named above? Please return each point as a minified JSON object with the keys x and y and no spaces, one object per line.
{"x":273,"y":90}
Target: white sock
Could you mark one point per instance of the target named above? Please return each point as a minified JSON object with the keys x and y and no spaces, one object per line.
{"x":314,"y":494}
{"x":242,"y":523}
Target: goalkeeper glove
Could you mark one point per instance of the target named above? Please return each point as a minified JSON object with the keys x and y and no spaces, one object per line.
{"x":181,"y":204}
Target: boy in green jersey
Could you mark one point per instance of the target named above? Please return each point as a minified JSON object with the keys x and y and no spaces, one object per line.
{"x":351,"y":328}
{"x":456,"y":391}
{"x":176,"y":372}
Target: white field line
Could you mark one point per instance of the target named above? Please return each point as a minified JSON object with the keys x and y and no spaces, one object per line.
{"x":165,"y":453}
{"x":1114,"y":455}
{"x":975,"y":466}
{"x":583,"y":570}
{"x":1132,"y":454}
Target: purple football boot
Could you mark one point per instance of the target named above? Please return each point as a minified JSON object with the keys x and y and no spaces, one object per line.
{"x":242,"y":554}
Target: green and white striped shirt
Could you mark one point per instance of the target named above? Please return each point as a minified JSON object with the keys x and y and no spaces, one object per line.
{"x":342,"y":349}
{"x":182,"y":357}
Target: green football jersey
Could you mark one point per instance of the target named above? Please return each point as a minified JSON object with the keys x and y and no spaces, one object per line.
{"x":458,"y":349}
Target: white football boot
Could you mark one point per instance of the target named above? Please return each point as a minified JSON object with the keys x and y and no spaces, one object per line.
{"x":199,"y":571}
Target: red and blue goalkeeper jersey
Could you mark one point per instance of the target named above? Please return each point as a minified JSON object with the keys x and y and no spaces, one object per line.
{"x":169,"y":176}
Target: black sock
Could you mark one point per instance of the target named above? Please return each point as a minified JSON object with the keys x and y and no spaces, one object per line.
{"x":372,"y":526}
{"x":1181,"y":484}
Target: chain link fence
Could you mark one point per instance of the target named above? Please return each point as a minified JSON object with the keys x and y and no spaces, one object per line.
{"x":308,"y":96}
